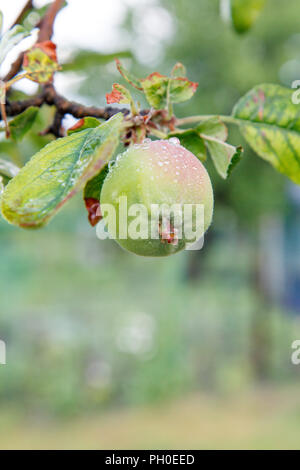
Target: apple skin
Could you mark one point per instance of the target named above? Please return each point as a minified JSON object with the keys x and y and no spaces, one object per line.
{"x":157,"y":172}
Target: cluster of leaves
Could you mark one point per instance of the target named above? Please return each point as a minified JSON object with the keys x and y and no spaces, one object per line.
{"x":266,"y":117}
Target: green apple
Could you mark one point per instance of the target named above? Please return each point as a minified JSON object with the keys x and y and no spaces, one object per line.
{"x":144,"y":181}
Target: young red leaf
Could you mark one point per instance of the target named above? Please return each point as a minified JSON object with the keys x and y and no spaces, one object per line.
{"x":119,"y":94}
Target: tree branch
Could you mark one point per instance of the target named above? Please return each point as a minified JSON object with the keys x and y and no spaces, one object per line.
{"x":63,"y":106}
{"x":77,"y":110}
{"x":13,"y":108}
{"x":46,"y":25}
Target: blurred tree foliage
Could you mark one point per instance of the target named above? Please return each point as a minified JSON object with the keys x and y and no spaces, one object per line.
{"x":70,"y":350}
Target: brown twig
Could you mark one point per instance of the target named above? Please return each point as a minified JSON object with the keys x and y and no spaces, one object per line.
{"x":4,"y":117}
{"x":46,"y":25}
{"x":63,"y":106}
{"x":77,"y":110}
{"x":13,"y":108}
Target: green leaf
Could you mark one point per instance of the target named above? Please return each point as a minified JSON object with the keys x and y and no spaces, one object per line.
{"x":181,"y":89}
{"x":11,"y":38}
{"x":211,"y":134}
{"x":129,"y":77}
{"x":160,"y":90}
{"x":213,"y":127}
{"x":22,"y":123}
{"x":270,"y":123}
{"x":244,"y":13}
{"x":191,"y":140}
{"x":235,"y":160}
{"x":85,"y":59}
{"x":93,"y":187}
{"x":84,"y":123}
{"x":155,"y":87}
{"x":223,"y":155}
{"x":58,"y":172}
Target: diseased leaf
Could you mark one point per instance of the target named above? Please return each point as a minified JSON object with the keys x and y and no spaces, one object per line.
{"x":11,"y":38}
{"x":41,"y":62}
{"x":119,"y":94}
{"x":58,"y":172}
{"x":191,"y":140}
{"x":129,"y":77}
{"x":182,"y":89}
{"x":155,"y":87}
{"x":160,"y":89}
{"x":22,"y":123}
{"x":270,"y":123}
{"x":84,"y":123}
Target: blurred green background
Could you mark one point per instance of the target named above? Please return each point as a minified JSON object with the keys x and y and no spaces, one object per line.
{"x":109,"y":350}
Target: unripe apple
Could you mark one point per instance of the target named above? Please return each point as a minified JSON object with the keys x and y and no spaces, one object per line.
{"x":155,"y":174}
